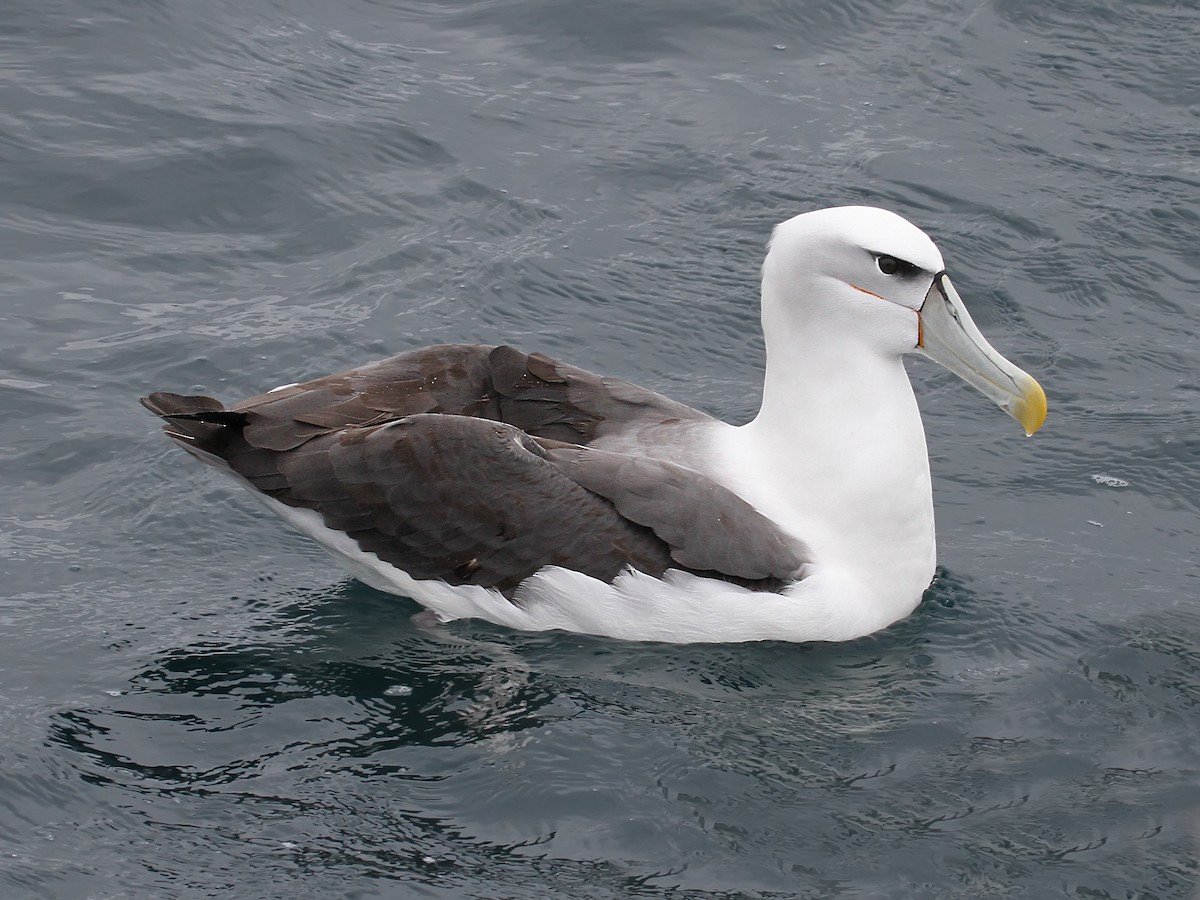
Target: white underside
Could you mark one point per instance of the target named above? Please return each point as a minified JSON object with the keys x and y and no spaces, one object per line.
{"x":678,"y":608}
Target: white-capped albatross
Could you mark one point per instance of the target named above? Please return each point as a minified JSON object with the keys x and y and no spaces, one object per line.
{"x":486,"y":482}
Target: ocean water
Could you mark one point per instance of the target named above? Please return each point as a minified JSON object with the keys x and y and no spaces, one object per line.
{"x":224,"y":196}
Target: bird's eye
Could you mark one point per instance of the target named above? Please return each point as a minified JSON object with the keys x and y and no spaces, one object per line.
{"x":889,"y":265}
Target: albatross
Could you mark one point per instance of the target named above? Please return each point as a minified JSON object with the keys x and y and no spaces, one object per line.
{"x":483,"y":481}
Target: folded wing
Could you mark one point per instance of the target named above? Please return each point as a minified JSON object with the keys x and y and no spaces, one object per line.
{"x":471,"y":465}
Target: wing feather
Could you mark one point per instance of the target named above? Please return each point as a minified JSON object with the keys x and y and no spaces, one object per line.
{"x":472,"y":464}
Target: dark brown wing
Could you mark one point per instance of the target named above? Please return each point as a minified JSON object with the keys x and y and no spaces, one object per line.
{"x":463,"y":500}
{"x":463,"y":463}
{"x":539,"y":395}
{"x":706,"y":525}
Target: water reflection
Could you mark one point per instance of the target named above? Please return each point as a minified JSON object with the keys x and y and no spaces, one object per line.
{"x":346,"y":680}
{"x":336,"y":736}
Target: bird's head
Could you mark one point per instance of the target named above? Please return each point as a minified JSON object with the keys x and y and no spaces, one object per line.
{"x":865,"y":278}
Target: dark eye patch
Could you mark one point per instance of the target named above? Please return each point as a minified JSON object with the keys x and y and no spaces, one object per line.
{"x":890,"y":265}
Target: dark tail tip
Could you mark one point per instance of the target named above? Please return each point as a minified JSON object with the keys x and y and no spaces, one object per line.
{"x":196,"y":420}
{"x":165,"y":404}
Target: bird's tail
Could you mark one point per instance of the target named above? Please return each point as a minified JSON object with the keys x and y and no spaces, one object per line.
{"x":197,"y":422}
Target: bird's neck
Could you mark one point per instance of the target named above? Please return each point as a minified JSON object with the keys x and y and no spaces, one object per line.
{"x":837,"y":456}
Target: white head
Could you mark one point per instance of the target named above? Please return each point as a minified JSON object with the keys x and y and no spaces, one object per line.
{"x":865,"y":285}
{"x":856,"y":272}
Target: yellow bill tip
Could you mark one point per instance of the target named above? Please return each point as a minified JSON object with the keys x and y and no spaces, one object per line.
{"x":1029,"y":407}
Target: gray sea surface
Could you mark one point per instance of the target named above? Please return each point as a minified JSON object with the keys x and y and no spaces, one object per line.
{"x":220,"y":196}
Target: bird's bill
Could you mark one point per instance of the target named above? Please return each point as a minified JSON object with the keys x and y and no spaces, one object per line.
{"x":948,"y":336}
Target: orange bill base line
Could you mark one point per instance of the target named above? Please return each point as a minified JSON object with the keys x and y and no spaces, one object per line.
{"x":865,"y":291}
{"x":920,"y":324}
